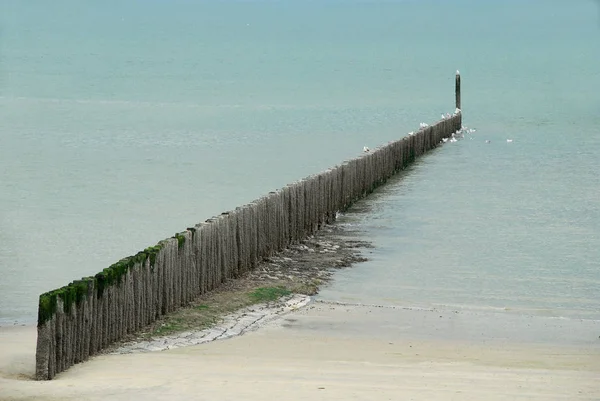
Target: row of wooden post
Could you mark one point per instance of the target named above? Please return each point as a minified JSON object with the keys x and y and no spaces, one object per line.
{"x":226,"y":246}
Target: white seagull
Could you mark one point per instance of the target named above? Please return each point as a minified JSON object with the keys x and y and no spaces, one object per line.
{"x":423,"y":125}
{"x":509,"y":140}
{"x":365,"y":149}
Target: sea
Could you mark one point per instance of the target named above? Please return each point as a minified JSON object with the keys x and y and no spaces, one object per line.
{"x":124,"y":122}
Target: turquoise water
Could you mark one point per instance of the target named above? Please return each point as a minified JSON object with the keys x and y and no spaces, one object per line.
{"x":124,"y":122}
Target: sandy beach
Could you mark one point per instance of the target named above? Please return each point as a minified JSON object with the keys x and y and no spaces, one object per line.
{"x":322,"y":351}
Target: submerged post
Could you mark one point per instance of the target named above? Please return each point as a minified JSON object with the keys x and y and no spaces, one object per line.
{"x":457,"y":89}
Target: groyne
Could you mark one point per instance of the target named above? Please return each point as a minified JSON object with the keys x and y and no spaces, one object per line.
{"x":84,"y":317}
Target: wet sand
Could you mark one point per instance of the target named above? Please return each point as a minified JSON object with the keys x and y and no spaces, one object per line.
{"x":322,"y":351}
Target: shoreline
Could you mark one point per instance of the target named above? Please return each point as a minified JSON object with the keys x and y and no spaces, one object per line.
{"x":418,"y":324}
{"x":296,"y":273}
{"x":315,"y":348}
{"x":292,"y":275}
{"x":243,"y":321}
{"x":300,"y":270}
{"x":323,"y":351}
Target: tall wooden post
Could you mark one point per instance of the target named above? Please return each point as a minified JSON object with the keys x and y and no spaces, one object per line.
{"x":457,"y":90}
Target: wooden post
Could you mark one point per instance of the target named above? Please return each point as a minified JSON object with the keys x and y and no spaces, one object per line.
{"x":457,"y":90}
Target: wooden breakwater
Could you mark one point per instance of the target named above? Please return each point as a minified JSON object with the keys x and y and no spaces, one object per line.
{"x":84,"y":317}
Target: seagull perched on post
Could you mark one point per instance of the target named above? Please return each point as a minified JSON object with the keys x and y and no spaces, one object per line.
{"x":365,"y":149}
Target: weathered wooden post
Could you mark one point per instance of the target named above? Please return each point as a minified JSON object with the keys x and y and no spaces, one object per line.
{"x":79,"y":320}
{"x":457,"y":90}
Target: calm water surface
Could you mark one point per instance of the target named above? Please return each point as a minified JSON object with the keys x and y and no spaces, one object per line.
{"x":124,"y":122}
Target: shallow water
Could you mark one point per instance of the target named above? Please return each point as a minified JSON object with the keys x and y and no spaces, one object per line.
{"x":121,"y":124}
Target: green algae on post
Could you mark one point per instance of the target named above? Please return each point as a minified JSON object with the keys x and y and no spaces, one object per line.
{"x":73,"y":293}
{"x":47,"y":307}
{"x":180,"y":239}
{"x":151,"y":253}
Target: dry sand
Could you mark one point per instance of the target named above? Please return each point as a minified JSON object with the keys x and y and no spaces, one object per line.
{"x":320,"y":352}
